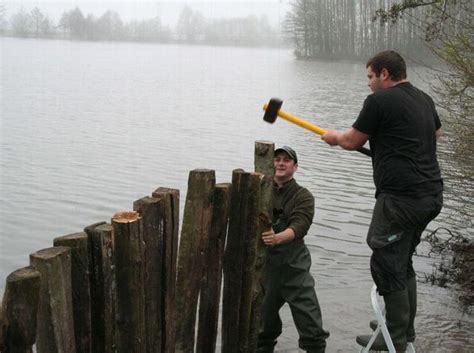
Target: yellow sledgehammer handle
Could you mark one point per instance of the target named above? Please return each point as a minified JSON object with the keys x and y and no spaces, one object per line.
{"x":304,"y":124}
{"x":298,"y":121}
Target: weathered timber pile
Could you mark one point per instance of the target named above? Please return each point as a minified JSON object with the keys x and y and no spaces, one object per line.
{"x":124,"y":286}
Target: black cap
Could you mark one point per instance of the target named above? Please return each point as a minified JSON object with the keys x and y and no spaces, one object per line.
{"x":288,"y":150}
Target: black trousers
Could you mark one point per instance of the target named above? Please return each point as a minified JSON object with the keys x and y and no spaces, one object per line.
{"x":395,"y":231}
{"x":287,"y":280}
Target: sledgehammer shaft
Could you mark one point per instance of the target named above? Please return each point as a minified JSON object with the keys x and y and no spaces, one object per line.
{"x":298,"y":121}
{"x":270,"y":116}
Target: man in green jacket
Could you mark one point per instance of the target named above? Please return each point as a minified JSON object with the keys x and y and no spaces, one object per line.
{"x":288,"y":279}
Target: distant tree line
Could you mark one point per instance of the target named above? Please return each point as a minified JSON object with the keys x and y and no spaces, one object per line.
{"x":345,"y":29}
{"x":192,"y":27}
{"x":251,"y":30}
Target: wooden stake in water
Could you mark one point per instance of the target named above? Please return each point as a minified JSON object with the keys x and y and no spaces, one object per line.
{"x":170,"y":251}
{"x":129,"y":261}
{"x":151,"y":211}
{"x":209,"y":296}
{"x":102,"y":285}
{"x":81,"y":295}
{"x":55,"y":330}
{"x":19,"y":309}
{"x":192,"y":254}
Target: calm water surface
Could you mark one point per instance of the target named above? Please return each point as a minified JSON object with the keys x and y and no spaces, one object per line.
{"x":87,"y":128}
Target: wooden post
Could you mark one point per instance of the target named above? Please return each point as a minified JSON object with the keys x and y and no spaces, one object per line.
{"x":170,"y":251}
{"x":20,"y":306}
{"x":263,"y":158}
{"x":81,"y":299}
{"x":3,"y":328}
{"x":129,"y":254}
{"x":55,"y":325}
{"x":265,"y":214}
{"x":251,"y":238}
{"x":151,"y":227}
{"x":234,"y":262}
{"x":264,"y":152}
{"x":243,"y":262}
{"x":102,"y":286}
{"x":211,"y":285}
{"x":192,"y":254}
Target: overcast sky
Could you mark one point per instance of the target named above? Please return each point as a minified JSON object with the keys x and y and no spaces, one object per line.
{"x":168,"y":11}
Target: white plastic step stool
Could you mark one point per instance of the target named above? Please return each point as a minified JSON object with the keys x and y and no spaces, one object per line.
{"x":379,"y":311}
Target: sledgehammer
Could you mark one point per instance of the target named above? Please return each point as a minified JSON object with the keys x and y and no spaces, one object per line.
{"x":272,"y":111}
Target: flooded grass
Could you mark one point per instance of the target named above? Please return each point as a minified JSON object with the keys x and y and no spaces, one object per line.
{"x":456,"y":265}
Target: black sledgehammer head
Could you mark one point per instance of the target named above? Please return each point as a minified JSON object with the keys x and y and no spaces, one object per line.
{"x":271,"y":113}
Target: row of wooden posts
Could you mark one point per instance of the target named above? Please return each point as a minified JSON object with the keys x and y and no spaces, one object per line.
{"x":124,"y":287}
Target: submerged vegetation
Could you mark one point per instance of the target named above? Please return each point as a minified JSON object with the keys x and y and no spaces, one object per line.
{"x":456,"y":261}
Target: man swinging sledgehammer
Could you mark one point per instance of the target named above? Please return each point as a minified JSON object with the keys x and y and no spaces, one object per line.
{"x":402,"y":126}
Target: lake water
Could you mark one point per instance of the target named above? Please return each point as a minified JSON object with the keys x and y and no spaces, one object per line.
{"x":87,"y":128}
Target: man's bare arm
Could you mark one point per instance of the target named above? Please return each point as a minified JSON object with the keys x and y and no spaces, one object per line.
{"x":352,"y":139}
{"x":270,"y":238}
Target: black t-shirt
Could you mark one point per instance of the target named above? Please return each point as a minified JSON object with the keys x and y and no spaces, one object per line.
{"x":402,"y":123}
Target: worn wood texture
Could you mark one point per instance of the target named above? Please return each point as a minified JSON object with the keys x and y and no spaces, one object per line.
{"x":170,"y":251}
{"x":250,"y":240}
{"x":263,"y":157}
{"x":209,"y":297}
{"x":55,"y":325}
{"x":19,"y":310}
{"x":265,"y":214}
{"x":81,"y":295}
{"x":263,"y":160}
{"x":129,"y":259}
{"x":102,"y":286}
{"x":244,"y":260}
{"x":151,"y":211}
{"x":234,"y":262}
{"x":192,"y":254}
{"x":3,"y":328}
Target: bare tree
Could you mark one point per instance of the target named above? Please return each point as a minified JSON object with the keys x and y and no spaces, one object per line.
{"x":37,"y":19}
{"x":3,"y":19}
{"x":190,"y":26}
{"x":344,"y":29}
{"x":110,"y":26}
{"x":73,"y":24}
{"x":21,"y":23}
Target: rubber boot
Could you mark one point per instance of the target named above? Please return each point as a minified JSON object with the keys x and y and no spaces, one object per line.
{"x":374,"y":323}
{"x":398,"y":316}
{"x":411,"y":285}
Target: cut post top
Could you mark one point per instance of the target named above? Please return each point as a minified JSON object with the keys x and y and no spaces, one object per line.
{"x":50,"y":252}
{"x":23,"y":273}
{"x":126,"y":217}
